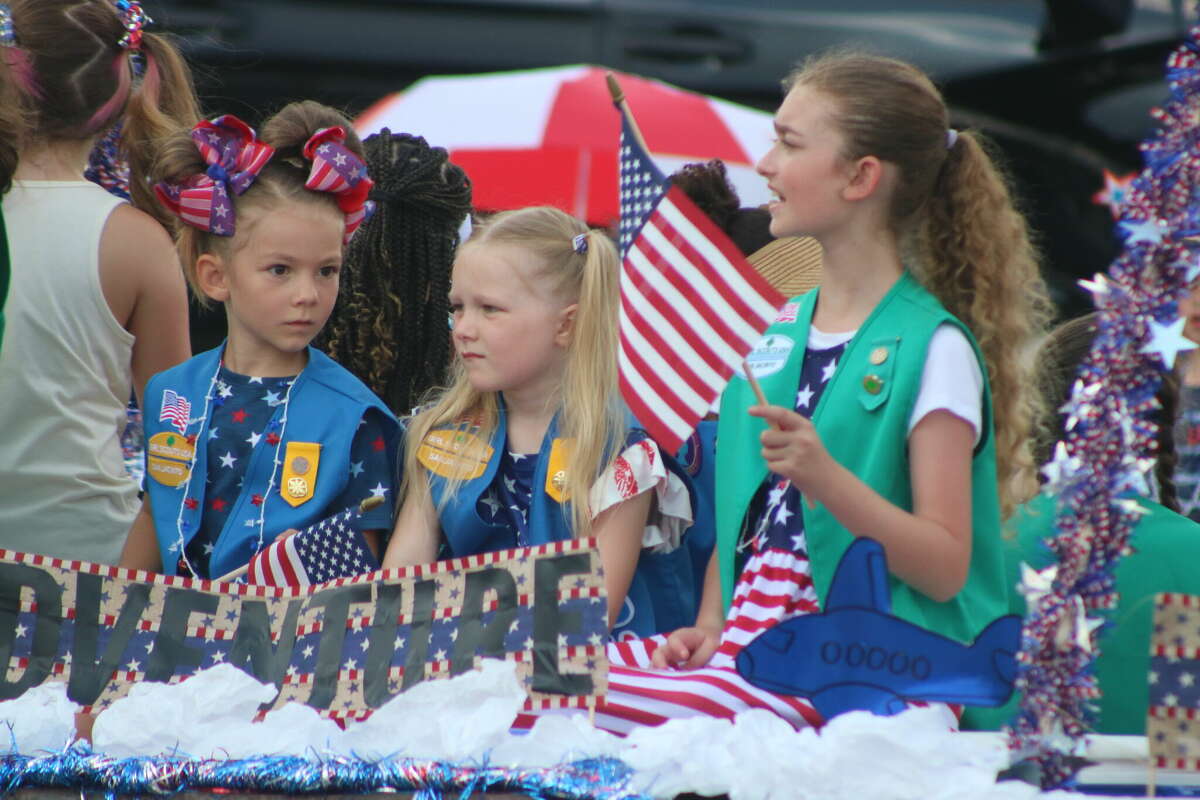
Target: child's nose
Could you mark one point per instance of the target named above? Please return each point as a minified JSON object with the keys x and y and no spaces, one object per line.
{"x":307,"y":292}
{"x":763,"y":167}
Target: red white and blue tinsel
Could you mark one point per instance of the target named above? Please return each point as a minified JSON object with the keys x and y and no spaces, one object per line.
{"x":1102,"y":466}
{"x":79,"y":768}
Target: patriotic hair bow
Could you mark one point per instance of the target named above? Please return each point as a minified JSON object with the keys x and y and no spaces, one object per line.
{"x":234,"y":156}
{"x":337,"y":170}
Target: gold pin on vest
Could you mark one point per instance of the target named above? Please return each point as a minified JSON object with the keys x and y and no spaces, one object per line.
{"x":878,"y":356}
{"x":873,"y":384}
{"x":301,"y":463}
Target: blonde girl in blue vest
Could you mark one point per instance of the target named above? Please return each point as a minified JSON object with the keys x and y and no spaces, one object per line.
{"x":530,"y":443}
{"x":897,"y":407}
{"x":264,"y":433}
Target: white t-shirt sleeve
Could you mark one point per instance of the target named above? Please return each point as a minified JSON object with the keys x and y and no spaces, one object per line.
{"x":952,"y":380}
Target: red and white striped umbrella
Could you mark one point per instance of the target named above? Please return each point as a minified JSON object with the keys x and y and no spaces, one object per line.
{"x":549,"y":136}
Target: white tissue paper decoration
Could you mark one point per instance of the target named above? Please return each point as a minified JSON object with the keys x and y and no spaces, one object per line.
{"x":466,"y":720}
{"x":194,"y":717}
{"x":450,"y":720}
{"x":555,"y":739}
{"x":40,"y":720}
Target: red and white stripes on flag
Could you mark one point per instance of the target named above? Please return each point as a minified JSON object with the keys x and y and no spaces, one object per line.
{"x":278,"y":564}
{"x":692,"y":307}
{"x":176,"y":409}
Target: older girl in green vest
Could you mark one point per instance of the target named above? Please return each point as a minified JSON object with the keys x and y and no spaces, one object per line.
{"x":919,"y":439}
{"x":896,"y":400}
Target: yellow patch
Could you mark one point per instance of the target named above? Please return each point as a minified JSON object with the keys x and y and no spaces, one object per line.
{"x":299,"y":481}
{"x":454,"y":454}
{"x":556,"y":470}
{"x":169,"y":458}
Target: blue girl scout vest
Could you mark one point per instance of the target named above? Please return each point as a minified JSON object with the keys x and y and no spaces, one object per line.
{"x":323,"y":412}
{"x":662,"y":595}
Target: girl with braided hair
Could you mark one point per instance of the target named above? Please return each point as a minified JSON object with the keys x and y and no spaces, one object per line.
{"x":389,"y":325}
{"x":97,"y":302}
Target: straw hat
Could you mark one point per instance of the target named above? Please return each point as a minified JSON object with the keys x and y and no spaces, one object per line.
{"x":791,"y":264}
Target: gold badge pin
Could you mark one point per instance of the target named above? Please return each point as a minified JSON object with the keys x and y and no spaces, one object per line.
{"x":878,"y":356}
{"x":300,"y":465}
{"x":559,"y":481}
{"x":297,"y":487}
{"x":873,"y":384}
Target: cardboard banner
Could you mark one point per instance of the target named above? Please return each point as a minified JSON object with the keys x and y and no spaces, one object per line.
{"x":1173,"y":709}
{"x":342,"y":647}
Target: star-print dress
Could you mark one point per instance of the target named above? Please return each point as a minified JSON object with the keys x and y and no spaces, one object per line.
{"x":240,"y":419}
{"x":639,"y":468}
{"x":775,"y":584}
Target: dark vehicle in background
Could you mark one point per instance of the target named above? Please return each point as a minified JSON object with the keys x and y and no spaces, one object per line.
{"x":1063,"y":86}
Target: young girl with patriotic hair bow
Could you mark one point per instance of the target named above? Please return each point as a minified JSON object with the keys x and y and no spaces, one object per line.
{"x":530,"y":443}
{"x":97,"y":302}
{"x":263,"y":434}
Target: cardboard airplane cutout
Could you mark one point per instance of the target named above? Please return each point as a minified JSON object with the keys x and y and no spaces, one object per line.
{"x":857,"y":656}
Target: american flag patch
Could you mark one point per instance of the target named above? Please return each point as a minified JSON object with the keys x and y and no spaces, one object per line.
{"x":176,"y":409}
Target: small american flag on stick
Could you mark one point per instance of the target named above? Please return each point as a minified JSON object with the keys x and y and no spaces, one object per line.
{"x":692,"y":307}
{"x":326,"y":550}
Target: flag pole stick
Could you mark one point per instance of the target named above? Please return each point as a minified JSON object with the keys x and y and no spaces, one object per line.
{"x":618,"y":97}
{"x":762,"y":401}
{"x":363,"y":507}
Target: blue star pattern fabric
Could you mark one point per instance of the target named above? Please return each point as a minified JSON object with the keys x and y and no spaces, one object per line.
{"x":641,"y":186}
{"x":506,"y":502}
{"x":775,"y":510}
{"x":239,"y":422}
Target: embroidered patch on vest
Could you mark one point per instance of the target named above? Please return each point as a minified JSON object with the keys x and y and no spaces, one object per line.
{"x":168,"y":458}
{"x":769,"y":355}
{"x":454,"y":454}
{"x":299,"y":481}
{"x":556,"y":469}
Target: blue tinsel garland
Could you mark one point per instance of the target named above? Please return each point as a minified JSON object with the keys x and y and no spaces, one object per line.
{"x":81,"y":769}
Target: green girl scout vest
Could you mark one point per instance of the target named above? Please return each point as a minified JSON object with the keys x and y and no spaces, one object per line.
{"x":862,"y":419}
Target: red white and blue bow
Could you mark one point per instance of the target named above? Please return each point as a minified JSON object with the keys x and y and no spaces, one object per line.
{"x":234,"y":156}
{"x":337,"y":170}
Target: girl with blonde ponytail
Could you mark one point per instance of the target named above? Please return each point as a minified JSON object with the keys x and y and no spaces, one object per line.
{"x":530,"y":443}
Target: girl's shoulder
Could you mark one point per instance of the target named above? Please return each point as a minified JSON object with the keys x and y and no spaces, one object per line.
{"x":341,"y":384}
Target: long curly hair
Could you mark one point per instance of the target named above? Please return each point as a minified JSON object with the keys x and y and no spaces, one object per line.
{"x":389,"y":326}
{"x":964,"y":238}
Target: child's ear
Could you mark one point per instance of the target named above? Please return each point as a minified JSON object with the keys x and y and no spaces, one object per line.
{"x":566,"y":324}
{"x":864,"y":177}
{"x":211,"y":276}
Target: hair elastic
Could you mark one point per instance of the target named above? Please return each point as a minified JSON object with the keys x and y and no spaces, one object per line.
{"x":580,"y":243}
{"x":133,"y":19}
{"x":951,"y":138}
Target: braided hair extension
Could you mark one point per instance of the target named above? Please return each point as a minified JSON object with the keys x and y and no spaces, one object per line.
{"x":389,"y":324}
